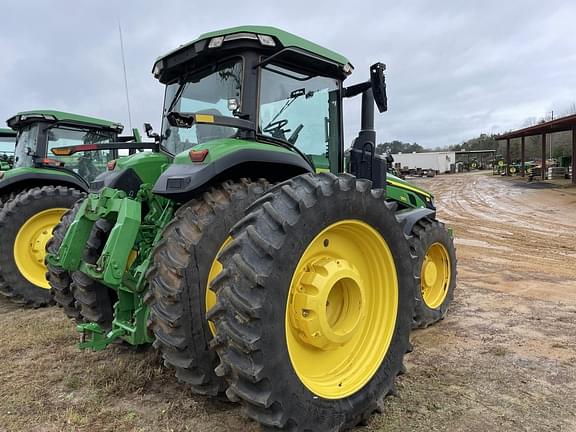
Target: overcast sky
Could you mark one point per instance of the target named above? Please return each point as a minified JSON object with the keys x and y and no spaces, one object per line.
{"x":455,"y":68}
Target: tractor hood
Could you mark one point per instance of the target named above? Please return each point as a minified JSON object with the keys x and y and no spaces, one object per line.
{"x":403,"y":184}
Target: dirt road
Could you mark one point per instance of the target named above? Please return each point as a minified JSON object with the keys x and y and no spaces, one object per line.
{"x":504,"y":359}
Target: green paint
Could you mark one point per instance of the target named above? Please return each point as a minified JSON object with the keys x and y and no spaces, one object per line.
{"x":26,"y":117}
{"x":131,"y":235}
{"x":284,"y":38}
{"x":8,"y":133}
{"x":226,"y":146}
{"x":147,"y":165}
{"x":21,"y":171}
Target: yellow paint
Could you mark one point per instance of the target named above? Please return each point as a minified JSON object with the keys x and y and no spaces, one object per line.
{"x":410,"y":188}
{"x":341,"y":309}
{"x":435,"y":275}
{"x":204,"y":118}
{"x":131,"y":258}
{"x":215,"y":270}
{"x":30,"y":245}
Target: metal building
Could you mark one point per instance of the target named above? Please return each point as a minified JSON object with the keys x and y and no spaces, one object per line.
{"x":562,"y":124}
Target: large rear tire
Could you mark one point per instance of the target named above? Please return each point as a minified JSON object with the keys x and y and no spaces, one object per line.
{"x":435,"y":270}
{"x":314,"y":304}
{"x":26,"y":224}
{"x":183,"y":265}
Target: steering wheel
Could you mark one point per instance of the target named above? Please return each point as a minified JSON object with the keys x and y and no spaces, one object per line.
{"x":276,"y":126}
{"x":294,"y":137}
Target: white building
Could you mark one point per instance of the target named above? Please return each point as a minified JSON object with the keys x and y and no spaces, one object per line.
{"x":437,"y":161}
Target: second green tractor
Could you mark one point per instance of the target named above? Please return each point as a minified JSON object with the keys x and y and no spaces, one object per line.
{"x":38,"y":186}
{"x":260,"y":262}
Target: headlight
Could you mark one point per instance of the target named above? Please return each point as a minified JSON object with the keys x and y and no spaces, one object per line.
{"x":267,"y":40}
{"x":157,"y":69}
{"x":216,"y":42}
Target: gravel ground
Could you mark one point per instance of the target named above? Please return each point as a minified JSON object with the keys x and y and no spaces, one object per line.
{"x":503,"y":360}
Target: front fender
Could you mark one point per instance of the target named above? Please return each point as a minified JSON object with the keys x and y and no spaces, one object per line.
{"x":408,"y":218}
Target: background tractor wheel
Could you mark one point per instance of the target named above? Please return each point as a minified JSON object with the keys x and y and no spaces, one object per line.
{"x":314,"y":304}
{"x":183,"y":266}
{"x":96,"y":301}
{"x":435,"y":269}
{"x":26,"y":224}
{"x":58,"y":278}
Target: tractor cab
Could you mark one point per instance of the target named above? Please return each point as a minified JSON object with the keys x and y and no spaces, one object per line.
{"x":7,"y":143}
{"x":39,"y":132}
{"x":250,"y":96}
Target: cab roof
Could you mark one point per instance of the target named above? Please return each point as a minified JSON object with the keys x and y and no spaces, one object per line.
{"x":282,"y":39}
{"x":7,"y":132}
{"x":26,"y":117}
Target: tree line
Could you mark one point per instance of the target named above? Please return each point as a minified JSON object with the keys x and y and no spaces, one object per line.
{"x":558,"y":144}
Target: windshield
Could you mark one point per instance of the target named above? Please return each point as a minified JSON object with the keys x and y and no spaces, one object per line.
{"x":300,"y":109}
{"x":87,"y":164}
{"x":7,"y":145}
{"x":208,"y":92}
{"x":26,"y":146}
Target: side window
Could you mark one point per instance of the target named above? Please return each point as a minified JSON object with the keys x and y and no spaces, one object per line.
{"x":87,"y":164}
{"x":302,"y":110}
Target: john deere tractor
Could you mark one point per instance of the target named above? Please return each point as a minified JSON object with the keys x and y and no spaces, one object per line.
{"x":259,"y":263}
{"x":40,"y":188}
{"x":7,"y":143}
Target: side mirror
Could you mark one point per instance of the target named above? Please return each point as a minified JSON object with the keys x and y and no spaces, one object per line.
{"x":378,"y":82}
{"x":180,"y":120}
{"x":148,"y":129}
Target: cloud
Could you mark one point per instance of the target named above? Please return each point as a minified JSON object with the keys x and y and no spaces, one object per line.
{"x":455,"y":69}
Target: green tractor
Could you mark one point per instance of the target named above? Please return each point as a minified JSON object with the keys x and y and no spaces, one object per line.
{"x":259,"y":264}
{"x":40,"y":188}
{"x":7,"y":143}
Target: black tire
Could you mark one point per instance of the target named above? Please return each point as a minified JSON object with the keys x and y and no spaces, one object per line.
{"x":13,"y":215}
{"x":179,"y":275}
{"x":58,"y":278}
{"x":252,"y":296}
{"x":96,"y":301}
{"x":425,"y":233}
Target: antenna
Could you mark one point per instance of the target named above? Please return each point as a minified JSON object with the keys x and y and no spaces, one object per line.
{"x":125,"y":75}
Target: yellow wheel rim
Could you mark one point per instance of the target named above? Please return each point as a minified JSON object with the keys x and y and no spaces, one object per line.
{"x":341,"y":309}
{"x":435,"y":275}
{"x":215,"y":270}
{"x":30,"y":245}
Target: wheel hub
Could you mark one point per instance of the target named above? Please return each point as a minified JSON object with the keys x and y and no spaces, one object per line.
{"x":38,"y":243}
{"x":430,"y":273}
{"x":435,"y":275}
{"x":30,"y":245}
{"x":329,"y":305}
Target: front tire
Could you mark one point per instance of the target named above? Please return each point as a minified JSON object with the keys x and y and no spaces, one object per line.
{"x":314,"y":304}
{"x":435,"y":270}
{"x":26,"y":224}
